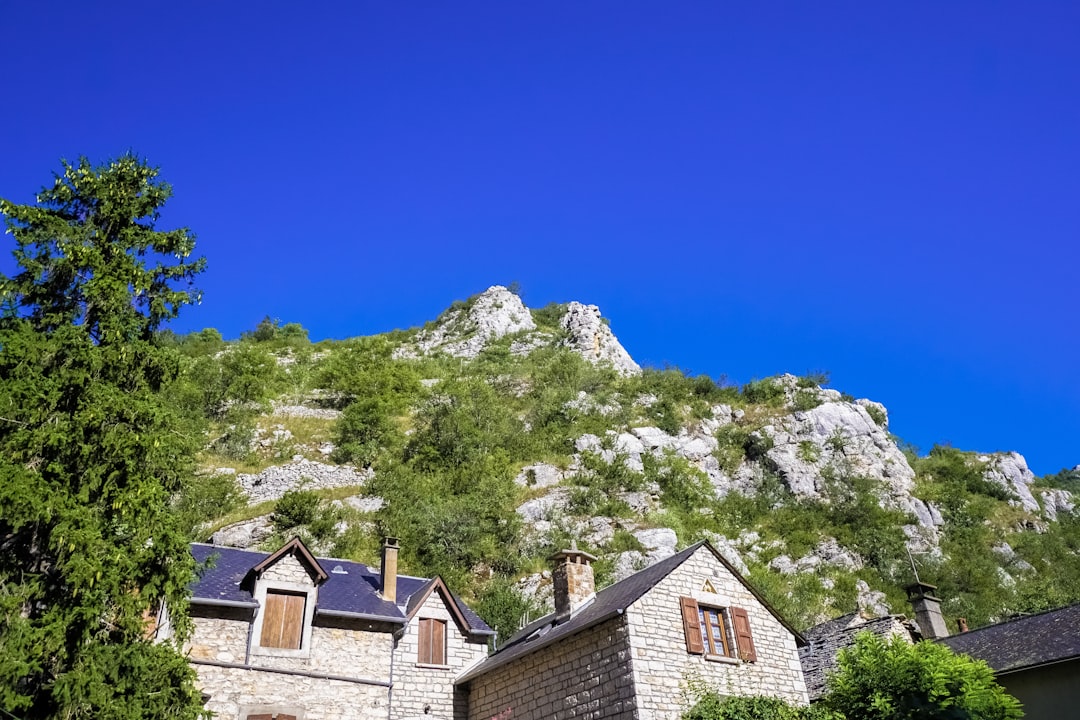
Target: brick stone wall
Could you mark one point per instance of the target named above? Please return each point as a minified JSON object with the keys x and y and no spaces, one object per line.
{"x":662,"y":668}
{"x":288,"y":569}
{"x":428,"y":691}
{"x":586,"y":677}
{"x":235,"y":693}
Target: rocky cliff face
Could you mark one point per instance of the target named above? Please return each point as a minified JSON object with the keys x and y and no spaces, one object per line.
{"x":495,"y":313}
{"x":464,"y":332}
{"x":593,"y":340}
{"x":642,"y":470}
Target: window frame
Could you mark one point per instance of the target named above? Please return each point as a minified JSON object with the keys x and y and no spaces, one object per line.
{"x":261,"y":590}
{"x":702,"y":620}
{"x":710,"y":619}
{"x":425,"y":632}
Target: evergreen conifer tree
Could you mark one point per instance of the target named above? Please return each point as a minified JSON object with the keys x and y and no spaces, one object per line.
{"x":90,"y":454}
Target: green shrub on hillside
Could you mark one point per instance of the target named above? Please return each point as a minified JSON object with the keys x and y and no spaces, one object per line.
{"x":764,"y":392}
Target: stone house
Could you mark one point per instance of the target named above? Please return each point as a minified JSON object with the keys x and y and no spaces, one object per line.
{"x":633,"y":649}
{"x":288,"y":636}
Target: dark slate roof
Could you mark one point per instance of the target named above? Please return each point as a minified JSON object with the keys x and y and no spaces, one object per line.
{"x":350,"y":587}
{"x":1024,"y":642}
{"x":824,"y":642}
{"x":608,"y":603}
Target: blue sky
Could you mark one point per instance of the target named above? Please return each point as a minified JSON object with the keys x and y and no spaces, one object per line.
{"x":888,"y":193}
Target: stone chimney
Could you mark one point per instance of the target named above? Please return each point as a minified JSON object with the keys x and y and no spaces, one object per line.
{"x":927,"y":610}
{"x":388,"y":570}
{"x":573,"y":581}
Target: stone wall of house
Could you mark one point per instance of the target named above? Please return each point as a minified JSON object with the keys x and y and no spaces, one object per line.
{"x":235,"y":693}
{"x":218,"y":639}
{"x":586,"y":676}
{"x":662,"y":668}
{"x":424,"y":690}
{"x":288,"y":569}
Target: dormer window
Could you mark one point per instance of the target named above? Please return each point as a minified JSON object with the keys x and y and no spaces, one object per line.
{"x":283,"y":622}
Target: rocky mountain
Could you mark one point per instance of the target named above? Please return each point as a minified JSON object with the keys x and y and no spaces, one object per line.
{"x":497,"y":433}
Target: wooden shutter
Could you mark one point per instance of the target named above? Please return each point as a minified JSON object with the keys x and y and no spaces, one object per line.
{"x":285,"y":716}
{"x":438,"y":642}
{"x":283,"y":620}
{"x":432,"y":642}
{"x":743,"y":638}
{"x":691,"y":626}
{"x":261,"y":716}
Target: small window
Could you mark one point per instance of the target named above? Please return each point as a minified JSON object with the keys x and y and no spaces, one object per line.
{"x":270,"y":716}
{"x":432,"y":650}
{"x":283,"y":620}
{"x":714,"y":635}
{"x":717,"y":631}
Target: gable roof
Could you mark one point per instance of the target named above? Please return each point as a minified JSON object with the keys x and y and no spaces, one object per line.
{"x":351,"y":589}
{"x":1025,"y":642}
{"x":608,"y":603}
{"x":296,"y":545}
{"x":462,"y":613}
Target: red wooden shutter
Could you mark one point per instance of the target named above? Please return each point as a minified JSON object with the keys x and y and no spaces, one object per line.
{"x":261,"y":716}
{"x":691,"y":626}
{"x":285,"y":716}
{"x":743,"y":637}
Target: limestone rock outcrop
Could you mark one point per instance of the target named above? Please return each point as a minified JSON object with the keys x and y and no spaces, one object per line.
{"x":593,"y":340}
{"x":464,"y":332}
{"x":1010,"y":472}
{"x":275,"y":481}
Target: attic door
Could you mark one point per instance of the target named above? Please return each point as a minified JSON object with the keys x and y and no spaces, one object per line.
{"x":283,"y":620}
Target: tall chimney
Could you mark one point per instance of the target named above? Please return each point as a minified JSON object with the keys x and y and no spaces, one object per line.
{"x":927,"y":610}
{"x":388,"y":570}
{"x":573,"y":581}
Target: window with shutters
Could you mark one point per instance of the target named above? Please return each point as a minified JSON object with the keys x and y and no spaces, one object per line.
{"x":717,"y":632}
{"x":283,"y":620}
{"x":432,"y":637}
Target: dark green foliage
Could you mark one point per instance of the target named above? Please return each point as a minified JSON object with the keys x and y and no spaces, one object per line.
{"x":877,"y":415}
{"x":895,"y":680}
{"x":957,"y":474}
{"x":203,"y":499}
{"x":548,"y":317}
{"x":272,"y":332}
{"x":764,"y":392}
{"x":296,"y":507}
{"x":1064,"y":479}
{"x":90,"y":452}
{"x":504,"y":608}
{"x":365,"y":429}
{"x":713,"y":706}
{"x":366,"y":368}
{"x":806,"y":400}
